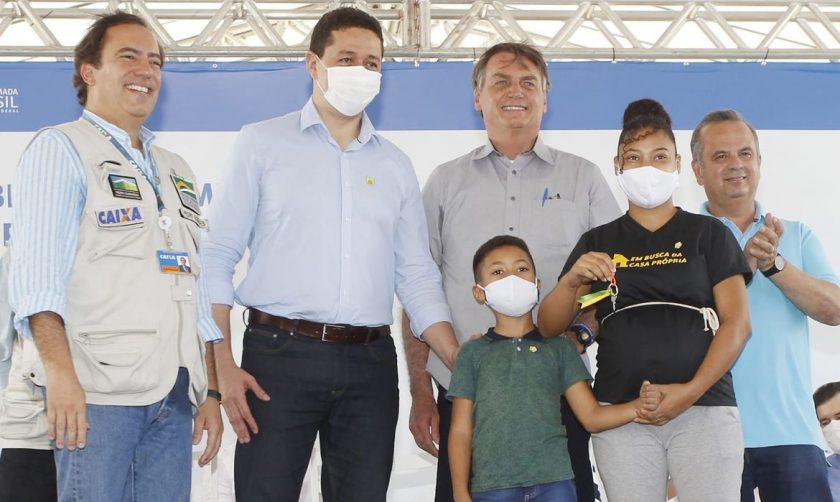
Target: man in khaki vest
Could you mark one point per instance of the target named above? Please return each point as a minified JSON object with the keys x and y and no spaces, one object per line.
{"x":103,"y":222}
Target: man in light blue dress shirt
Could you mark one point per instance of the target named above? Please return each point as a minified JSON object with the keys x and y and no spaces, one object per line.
{"x":121,"y":340}
{"x":332,"y":215}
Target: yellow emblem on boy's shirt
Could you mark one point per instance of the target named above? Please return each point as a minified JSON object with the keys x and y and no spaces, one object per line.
{"x":370,"y":180}
{"x":532,"y":348}
{"x":677,"y":245}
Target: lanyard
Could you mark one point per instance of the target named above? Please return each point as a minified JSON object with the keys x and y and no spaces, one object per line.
{"x":164,"y":221}
{"x":154,"y":182}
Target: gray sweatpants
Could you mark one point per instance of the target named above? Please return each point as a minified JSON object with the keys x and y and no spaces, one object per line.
{"x":702,"y":450}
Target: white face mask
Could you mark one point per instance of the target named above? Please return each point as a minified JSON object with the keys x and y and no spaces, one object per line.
{"x":648,"y":187}
{"x":832,"y":435}
{"x":350,"y":88}
{"x":512,"y":296}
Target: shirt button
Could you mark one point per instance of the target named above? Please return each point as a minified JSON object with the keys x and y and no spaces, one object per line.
{"x":512,"y":197}
{"x":510,"y":228}
{"x":189,"y":292}
{"x":514,"y":171}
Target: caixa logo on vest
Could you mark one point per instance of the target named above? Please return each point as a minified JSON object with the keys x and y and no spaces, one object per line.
{"x":121,"y":217}
{"x":9,"y":100}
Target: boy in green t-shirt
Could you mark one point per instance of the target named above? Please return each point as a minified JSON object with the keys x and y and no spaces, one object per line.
{"x":506,"y":422}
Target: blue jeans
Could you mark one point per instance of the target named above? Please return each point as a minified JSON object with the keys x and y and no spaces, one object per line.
{"x":559,"y":491}
{"x":791,"y":473}
{"x":345,"y":393}
{"x":133,"y":453}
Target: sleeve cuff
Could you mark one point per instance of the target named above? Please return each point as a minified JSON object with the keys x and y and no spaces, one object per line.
{"x":430,"y":315}
{"x":33,"y":304}
{"x":209,"y":331}
{"x":220,"y":291}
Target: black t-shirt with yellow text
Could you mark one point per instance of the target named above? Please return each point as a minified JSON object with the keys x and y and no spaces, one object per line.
{"x":681,"y":262}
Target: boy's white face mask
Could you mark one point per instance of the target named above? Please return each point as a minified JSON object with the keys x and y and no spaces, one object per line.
{"x":512,"y":296}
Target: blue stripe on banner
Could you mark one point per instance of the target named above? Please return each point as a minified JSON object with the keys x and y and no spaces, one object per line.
{"x":437,"y":96}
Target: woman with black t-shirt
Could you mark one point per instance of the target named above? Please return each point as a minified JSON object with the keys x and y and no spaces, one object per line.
{"x":669,"y":293}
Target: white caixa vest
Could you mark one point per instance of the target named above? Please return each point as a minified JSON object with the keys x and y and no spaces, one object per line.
{"x":129,"y":325}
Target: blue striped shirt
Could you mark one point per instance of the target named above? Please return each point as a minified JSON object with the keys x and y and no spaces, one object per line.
{"x":332,"y":233}
{"x":51,"y":194}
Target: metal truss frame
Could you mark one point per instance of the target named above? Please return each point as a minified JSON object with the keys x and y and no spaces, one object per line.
{"x":227,"y":30}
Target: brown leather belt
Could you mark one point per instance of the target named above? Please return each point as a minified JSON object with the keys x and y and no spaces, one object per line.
{"x":339,"y":333}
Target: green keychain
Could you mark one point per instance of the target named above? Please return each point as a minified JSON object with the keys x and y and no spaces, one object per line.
{"x":597,"y":296}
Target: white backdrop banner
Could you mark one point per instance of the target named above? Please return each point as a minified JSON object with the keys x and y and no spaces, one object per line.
{"x":427,"y":110}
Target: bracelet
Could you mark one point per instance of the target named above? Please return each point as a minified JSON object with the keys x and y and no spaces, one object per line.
{"x":214,"y":394}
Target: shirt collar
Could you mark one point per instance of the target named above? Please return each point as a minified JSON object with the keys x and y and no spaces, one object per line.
{"x":309,"y":117}
{"x":542,"y":151}
{"x":758,"y":218}
{"x":485,"y":150}
{"x":531,"y":335}
{"x":539,"y":148}
{"x":146,"y":136}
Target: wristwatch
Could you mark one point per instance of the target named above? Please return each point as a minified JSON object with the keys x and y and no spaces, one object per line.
{"x":778,"y":266}
{"x":583,"y":334}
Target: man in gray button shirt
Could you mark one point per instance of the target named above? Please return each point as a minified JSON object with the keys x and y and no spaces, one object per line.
{"x":513,"y":184}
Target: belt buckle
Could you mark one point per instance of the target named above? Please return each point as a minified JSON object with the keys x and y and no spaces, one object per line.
{"x":324,"y":330}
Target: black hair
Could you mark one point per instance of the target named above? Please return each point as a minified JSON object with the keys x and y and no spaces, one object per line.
{"x":825,"y":393}
{"x":342,"y":19}
{"x":642,"y":118}
{"x":89,"y":49}
{"x":496,"y":243}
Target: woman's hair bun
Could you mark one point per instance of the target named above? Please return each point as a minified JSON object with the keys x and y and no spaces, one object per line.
{"x":645,"y":108}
